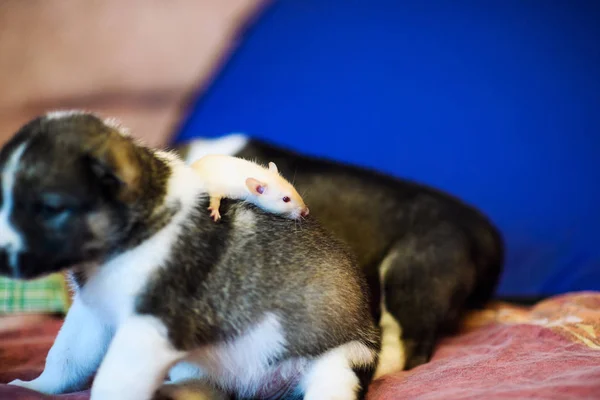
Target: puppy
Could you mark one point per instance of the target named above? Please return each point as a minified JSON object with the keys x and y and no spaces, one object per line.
{"x":160,"y":288}
{"x":427,"y":255}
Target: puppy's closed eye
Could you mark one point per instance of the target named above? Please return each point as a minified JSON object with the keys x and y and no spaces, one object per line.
{"x":51,"y":206}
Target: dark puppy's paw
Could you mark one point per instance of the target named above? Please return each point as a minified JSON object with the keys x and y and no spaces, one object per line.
{"x":193,"y":390}
{"x":416,"y":361}
{"x":418,"y":352}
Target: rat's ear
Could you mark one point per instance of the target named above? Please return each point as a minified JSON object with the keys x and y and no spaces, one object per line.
{"x":255,"y":186}
{"x":113,"y":159}
{"x":273,"y":167}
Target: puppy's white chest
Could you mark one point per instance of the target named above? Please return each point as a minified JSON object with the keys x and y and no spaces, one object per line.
{"x":111,"y":293}
{"x":111,"y":289}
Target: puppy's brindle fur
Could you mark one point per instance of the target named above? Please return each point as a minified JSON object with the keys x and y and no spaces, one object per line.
{"x":433,"y":255}
{"x":159,"y":284}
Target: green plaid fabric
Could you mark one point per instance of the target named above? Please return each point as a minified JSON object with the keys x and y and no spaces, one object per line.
{"x":45,"y":295}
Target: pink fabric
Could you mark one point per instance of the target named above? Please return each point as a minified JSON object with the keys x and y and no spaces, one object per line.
{"x":500,"y":362}
{"x":548,"y":351}
{"x":24,"y":344}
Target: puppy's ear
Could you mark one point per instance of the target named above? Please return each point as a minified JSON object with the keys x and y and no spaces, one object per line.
{"x":273,"y":167}
{"x":256,"y":187}
{"x":114,"y":160}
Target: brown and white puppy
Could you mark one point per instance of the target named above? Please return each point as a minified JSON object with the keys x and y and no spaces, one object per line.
{"x":160,"y":288}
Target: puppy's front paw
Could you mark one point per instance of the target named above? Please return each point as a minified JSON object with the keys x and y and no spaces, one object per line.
{"x":39,"y":385}
{"x":20,"y":383}
{"x":27,"y":385}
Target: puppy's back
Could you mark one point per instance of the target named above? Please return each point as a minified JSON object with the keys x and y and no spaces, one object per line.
{"x":224,"y":277}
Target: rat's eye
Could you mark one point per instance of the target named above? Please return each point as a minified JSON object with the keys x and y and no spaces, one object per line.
{"x":286,"y":199}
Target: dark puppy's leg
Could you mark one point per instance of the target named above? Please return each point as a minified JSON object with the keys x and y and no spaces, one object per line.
{"x":426,"y":278}
{"x":365,"y":376}
{"x":489,"y":259}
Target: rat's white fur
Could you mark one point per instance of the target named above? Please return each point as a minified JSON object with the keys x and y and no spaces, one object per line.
{"x":227,"y":176}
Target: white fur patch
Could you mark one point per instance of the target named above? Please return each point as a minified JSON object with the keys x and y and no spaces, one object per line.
{"x":391,"y":357}
{"x":331,"y":376}
{"x":116,"y":125}
{"x":243,"y":364}
{"x":110,"y":122}
{"x":184,"y":186}
{"x":357,"y":354}
{"x":170,"y":157}
{"x":59,"y":114}
{"x":184,"y":371}
{"x":227,"y":145}
{"x":10,"y":239}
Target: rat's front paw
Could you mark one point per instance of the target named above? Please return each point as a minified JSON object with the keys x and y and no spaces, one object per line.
{"x":214,"y":213}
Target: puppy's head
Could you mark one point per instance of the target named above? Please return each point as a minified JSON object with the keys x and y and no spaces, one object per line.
{"x":71,"y":189}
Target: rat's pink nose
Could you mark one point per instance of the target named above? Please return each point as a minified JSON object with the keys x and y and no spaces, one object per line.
{"x":304,"y":212}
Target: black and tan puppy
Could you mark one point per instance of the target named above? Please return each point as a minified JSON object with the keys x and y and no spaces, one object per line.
{"x":432,"y":255}
{"x":161,"y":288}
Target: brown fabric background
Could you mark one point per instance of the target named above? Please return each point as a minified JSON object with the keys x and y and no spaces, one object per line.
{"x":137,"y":60}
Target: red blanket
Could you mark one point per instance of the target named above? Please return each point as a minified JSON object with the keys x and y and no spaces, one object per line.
{"x":550,"y":351}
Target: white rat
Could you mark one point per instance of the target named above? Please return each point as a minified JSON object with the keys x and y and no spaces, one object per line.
{"x":236,"y":178}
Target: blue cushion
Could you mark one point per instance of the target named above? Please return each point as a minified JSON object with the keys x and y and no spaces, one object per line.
{"x":497,"y":102}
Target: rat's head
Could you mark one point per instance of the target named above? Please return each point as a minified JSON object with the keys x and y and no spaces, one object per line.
{"x":70,"y":188}
{"x":277,"y":195}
